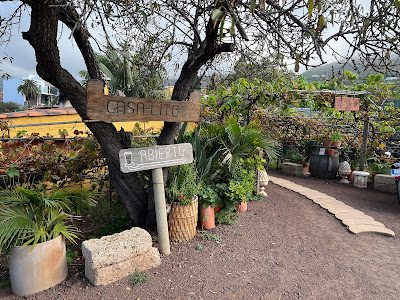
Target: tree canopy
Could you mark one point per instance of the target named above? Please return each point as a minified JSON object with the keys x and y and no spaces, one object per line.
{"x":192,"y":35}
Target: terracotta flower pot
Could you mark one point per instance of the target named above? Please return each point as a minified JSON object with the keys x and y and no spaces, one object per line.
{"x":306,"y":169}
{"x":218,"y":208}
{"x":207,"y":217}
{"x":242,"y":207}
{"x":351,"y":176}
{"x":331,"y":152}
{"x":336,"y":144}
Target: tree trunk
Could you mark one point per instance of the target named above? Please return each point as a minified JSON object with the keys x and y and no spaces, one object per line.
{"x":42,"y":35}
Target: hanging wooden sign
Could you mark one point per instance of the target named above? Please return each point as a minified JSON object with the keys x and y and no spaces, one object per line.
{"x":119,"y":109}
{"x":347,"y":103}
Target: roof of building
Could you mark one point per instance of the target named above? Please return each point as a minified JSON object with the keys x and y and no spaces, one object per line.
{"x":39,"y":113}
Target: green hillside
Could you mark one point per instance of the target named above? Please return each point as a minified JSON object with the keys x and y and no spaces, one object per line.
{"x":327,"y":71}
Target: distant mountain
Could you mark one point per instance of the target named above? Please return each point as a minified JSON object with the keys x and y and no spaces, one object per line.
{"x":335,"y":69}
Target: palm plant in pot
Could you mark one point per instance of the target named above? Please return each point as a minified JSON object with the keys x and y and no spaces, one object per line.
{"x":336,"y":139}
{"x":34,"y":224}
{"x":182,"y":192}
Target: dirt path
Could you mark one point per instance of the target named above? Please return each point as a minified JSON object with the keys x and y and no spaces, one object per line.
{"x":284,"y":247}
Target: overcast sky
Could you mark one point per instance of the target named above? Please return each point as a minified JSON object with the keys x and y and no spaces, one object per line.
{"x":24,"y":59}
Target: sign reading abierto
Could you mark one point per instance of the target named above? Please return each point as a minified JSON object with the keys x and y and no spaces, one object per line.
{"x":347,"y":104}
{"x":115,"y":108}
{"x":139,"y":159}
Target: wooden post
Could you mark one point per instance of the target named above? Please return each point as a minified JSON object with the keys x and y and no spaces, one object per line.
{"x":161,"y":211}
{"x":364,"y":143}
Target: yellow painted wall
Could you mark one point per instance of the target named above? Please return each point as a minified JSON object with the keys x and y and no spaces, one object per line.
{"x":53,"y":130}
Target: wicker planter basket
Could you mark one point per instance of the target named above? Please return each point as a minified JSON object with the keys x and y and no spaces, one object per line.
{"x":182,"y":221}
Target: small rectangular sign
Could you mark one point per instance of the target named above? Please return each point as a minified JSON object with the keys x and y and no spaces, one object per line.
{"x":119,"y":109}
{"x":148,"y":158}
{"x":347,"y":104}
{"x":395,"y":172}
{"x":322,"y":151}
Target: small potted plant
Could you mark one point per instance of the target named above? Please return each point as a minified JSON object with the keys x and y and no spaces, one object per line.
{"x":208,"y":198}
{"x":182,"y":192}
{"x":336,"y":139}
{"x":241,"y":188}
{"x":34,"y":224}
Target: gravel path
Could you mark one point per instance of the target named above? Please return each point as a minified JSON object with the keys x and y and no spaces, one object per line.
{"x":284,"y":247}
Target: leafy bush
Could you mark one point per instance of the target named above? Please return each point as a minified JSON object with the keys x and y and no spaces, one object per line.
{"x":182,"y":185}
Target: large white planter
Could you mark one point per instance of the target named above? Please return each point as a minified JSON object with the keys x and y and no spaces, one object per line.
{"x":36,"y":269}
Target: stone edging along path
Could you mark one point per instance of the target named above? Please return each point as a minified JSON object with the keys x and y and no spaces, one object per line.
{"x":355,"y":220}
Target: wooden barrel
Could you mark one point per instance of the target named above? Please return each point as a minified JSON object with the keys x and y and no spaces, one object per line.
{"x":322,"y":165}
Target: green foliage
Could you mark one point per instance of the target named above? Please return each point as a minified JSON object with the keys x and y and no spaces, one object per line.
{"x":207,"y":195}
{"x":5,"y":283}
{"x":6,"y":107}
{"x":109,"y":216}
{"x":77,"y":159}
{"x":31,"y":216}
{"x":227,"y":217}
{"x":63,"y":132}
{"x":209,"y":236}
{"x":294,"y":156}
{"x":21,"y":133}
{"x":133,"y":74}
{"x":336,"y":137}
{"x":29,"y":88}
{"x":71,"y":255}
{"x":205,"y":155}
{"x":238,"y":142}
{"x":241,"y":186}
{"x":183,"y":184}
{"x":199,"y":247}
{"x":139,"y":277}
{"x":138,"y":142}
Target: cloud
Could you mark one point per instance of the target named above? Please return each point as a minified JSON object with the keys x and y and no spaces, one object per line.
{"x":24,"y":61}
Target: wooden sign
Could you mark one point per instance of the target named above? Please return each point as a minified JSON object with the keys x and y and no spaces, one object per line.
{"x":118,"y":109}
{"x":139,"y":159}
{"x":347,"y":104}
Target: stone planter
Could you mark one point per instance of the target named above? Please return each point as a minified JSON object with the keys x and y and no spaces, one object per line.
{"x":361,"y":179}
{"x":36,"y":269}
{"x":292,"y":169}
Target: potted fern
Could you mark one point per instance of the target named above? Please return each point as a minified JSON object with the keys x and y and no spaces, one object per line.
{"x":34,"y":224}
{"x":182,"y":192}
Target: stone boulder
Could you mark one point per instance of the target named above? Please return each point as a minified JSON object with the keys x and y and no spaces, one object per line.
{"x":385,"y":183}
{"x":114,"y":257}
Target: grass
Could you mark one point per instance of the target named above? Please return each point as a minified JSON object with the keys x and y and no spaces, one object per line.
{"x":139,"y":277}
{"x":199,"y":247}
{"x":209,"y":236}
